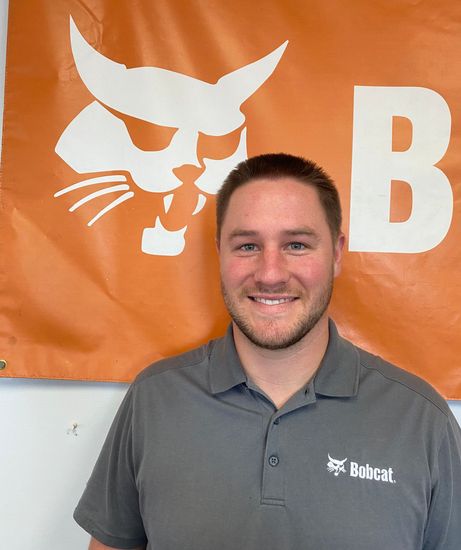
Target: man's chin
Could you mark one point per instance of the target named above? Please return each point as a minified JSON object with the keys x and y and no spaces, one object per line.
{"x":271,"y":338}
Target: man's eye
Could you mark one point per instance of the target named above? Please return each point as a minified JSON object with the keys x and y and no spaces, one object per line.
{"x":247,"y":247}
{"x":297,"y":246}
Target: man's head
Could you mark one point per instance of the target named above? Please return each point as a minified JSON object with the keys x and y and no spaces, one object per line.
{"x":280,"y":247}
{"x":275,"y":166}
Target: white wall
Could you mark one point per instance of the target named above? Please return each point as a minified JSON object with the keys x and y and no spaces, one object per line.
{"x":43,"y":465}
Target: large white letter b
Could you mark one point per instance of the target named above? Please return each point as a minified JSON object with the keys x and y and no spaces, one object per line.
{"x":375,"y":165}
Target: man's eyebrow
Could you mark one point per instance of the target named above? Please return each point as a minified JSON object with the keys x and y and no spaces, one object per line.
{"x":302,"y":231}
{"x":242,"y":233}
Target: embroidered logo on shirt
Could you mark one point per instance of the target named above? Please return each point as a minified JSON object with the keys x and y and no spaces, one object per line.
{"x":336,"y":466}
{"x":360,"y":471}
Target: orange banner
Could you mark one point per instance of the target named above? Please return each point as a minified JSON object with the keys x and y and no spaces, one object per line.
{"x":121,"y":119}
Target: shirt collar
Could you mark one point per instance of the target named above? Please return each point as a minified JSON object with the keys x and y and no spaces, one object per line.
{"x":226,"y":370}
{"x":337,"y":376}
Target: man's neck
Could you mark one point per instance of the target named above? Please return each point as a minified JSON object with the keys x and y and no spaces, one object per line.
{"x":281,"y":373}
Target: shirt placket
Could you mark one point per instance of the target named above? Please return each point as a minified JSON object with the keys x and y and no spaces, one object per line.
{"x":275,"y":461}
{"x":274,"y":466}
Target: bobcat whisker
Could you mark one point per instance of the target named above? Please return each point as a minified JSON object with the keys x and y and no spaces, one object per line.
{"x":90,"y":181}
{"x":122,"y":187}
{"x":109,"y":207}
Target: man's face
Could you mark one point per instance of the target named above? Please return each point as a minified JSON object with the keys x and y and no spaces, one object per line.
{"x":278,"y":261}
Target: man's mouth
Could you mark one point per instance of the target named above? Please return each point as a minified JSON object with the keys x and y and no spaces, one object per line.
{"x":272,"y":301}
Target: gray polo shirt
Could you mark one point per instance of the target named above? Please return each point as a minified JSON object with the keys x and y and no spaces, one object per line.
{"x":366,"y":456}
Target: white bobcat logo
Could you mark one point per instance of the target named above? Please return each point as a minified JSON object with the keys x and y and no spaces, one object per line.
{"x":336,"y":466}
{"x":98,"y":141}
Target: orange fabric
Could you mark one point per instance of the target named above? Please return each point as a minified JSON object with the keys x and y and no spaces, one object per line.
{"x":87,"y":303}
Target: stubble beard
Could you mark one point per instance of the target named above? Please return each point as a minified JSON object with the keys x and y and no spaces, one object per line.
{"x":274,"y":338}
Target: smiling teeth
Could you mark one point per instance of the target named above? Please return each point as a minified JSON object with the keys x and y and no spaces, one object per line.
{"x":272,"y":302}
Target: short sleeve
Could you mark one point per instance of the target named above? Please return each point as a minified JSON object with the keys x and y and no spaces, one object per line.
{"x":443,"y":530}
{"x":109,"y":507}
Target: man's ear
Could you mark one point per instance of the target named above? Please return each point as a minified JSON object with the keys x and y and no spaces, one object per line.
{"x":338,"y":254}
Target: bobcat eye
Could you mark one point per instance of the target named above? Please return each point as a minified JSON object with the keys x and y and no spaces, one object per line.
{"x":218,"y":147}
{"x":146,"y":135}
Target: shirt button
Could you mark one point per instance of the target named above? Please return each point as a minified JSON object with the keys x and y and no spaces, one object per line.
{"x":273,"y":460}
{"x":277,"y":421}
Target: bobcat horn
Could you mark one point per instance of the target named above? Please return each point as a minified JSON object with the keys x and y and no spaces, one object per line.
{"x":243,"y":82}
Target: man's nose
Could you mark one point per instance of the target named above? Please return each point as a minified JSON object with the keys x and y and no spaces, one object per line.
{"x":188,"y":173}
{"x":272,"y":269}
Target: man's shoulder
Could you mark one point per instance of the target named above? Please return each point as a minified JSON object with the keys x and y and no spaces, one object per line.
{"x":410,"y":383}
{"x":174,"y":363}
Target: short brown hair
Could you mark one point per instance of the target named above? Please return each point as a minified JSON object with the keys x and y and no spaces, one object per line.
{"x":275,"y":166}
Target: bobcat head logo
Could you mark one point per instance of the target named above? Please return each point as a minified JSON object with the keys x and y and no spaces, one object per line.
{"x":336,"y":466}
{"x":97,"y":140}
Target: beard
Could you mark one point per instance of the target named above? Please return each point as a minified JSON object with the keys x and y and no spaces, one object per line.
{"x":272,"y":336}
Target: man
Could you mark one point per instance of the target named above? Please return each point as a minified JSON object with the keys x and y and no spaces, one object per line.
{"x":282,"y":435}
